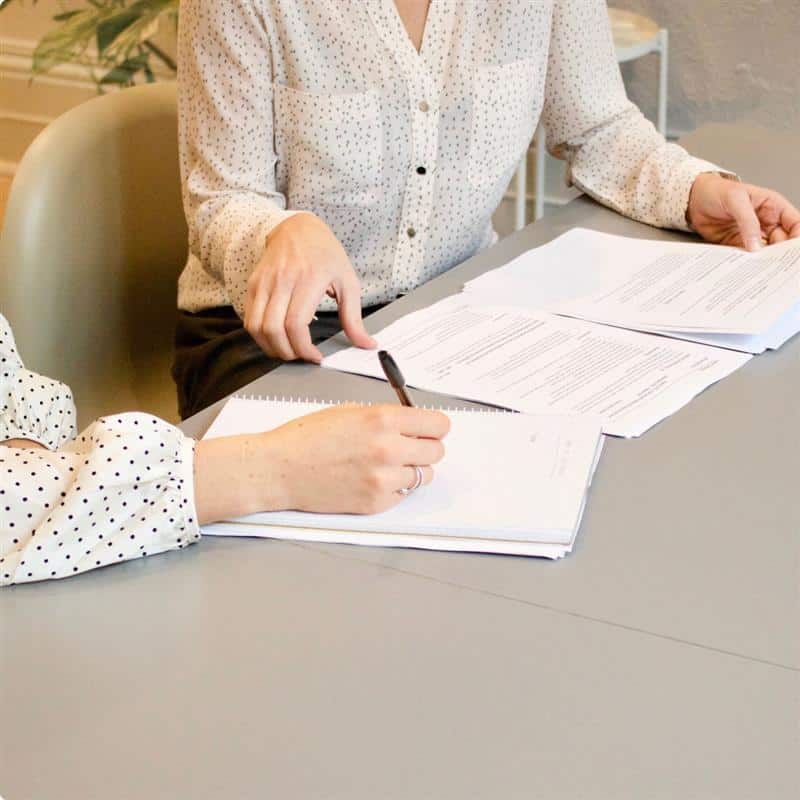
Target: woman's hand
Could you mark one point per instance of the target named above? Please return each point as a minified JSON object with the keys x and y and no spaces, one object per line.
{"x":739,"y":214}
{"x":302,"y":261}
{"x":345,"y":459}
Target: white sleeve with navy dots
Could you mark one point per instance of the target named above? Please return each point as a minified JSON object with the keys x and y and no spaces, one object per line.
{"x":326,"y":106}
{"x":612,"y":151}
{"x":32,"y":407}
{"x":120,"y":490}
{"x":225,"y":132}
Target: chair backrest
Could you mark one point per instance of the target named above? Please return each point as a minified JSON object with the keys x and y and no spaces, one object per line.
{"x":93,"y":240}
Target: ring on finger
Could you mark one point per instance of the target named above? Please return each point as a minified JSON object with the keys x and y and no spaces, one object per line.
{"x":418,"y":478}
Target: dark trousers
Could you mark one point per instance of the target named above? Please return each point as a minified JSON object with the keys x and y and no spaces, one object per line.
{"x":215,"y":355}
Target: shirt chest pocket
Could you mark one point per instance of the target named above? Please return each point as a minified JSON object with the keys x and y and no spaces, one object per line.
{"x":330,"y":147}
{"x":506,"y":103}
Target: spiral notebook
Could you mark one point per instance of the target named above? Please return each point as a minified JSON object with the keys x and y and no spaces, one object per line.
{"x":509,"y":483}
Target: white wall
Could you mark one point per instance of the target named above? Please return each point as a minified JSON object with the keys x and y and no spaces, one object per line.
{"x":731,"y":60}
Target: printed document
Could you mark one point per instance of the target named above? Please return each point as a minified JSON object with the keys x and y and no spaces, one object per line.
{"x":718,"y":295}
{"x":542,"y":363}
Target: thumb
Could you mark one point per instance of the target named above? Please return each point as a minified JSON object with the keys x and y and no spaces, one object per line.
{"x":743,"y":213}
{"x":348,"y":297}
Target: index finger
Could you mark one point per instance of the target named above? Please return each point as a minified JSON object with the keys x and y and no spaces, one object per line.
{"x":298,"y":319}
{"x":740,"y":207}
{"x":421,"y":423}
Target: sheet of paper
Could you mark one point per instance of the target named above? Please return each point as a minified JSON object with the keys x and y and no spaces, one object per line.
{"x":512,"y":479}
{"x":701,"y":291}
{"x":787,"y":327}
{"x":449,"y":543}
{"x":541,"y":363}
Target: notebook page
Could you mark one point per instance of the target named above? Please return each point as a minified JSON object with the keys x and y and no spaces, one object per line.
{"x":428,"y":542}
{"x":505,"y":477}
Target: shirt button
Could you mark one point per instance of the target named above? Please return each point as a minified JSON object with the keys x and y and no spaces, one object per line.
{"x":411,"y":233}
{"x":421,"y":170}
{"x":424,"y":107}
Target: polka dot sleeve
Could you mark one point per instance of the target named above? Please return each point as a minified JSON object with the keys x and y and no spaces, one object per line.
{"x":31,"y":406}
{"x":613,"y":152}
{"x":121,"y":490}
{"x":226,"y":135}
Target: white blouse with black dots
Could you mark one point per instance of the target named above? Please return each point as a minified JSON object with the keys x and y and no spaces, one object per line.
{"x":326,"y":106}
{"x":121,"y":489}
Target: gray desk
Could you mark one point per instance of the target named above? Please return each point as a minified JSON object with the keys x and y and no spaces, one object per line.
{"x":660,"y":660}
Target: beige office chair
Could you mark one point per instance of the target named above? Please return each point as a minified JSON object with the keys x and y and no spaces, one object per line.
{"x":93,"y":240}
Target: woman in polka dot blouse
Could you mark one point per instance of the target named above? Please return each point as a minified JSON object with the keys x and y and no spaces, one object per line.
{"x":394,"y":126}
{"x":132,"y":485}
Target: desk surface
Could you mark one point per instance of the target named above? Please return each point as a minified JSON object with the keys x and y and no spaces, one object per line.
{"x":660,"y":660}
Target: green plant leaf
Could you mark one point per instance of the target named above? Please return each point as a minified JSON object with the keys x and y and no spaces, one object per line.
{"x":124,"y":73}
{"x":120,"y":29}
{"x":67,"y":41}
{"x":64,"y":16}
{"x":136,"y":35}
{"x":111,"y":27}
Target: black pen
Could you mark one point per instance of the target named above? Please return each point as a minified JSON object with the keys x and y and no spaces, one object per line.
{"x":395,"y":377}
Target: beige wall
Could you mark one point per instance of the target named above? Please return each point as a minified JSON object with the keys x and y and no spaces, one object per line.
{"x":24,"y":20}
{"x":26,"y":108}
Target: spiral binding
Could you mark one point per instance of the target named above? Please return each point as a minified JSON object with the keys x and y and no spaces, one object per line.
{"x":265,"y":398}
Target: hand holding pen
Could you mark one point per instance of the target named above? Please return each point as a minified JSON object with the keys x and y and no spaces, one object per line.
{"x":398,"y":383}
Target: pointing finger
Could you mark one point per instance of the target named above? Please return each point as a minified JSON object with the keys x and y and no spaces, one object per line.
{"x":348,"y":297}
{"x":298,"y":319}
{"x":741,"y":209}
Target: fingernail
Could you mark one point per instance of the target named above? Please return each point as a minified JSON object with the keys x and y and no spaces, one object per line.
{"x":753,"y":243}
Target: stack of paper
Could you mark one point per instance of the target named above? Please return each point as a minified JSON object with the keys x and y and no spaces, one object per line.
{"x":541,"y":363}
{"x":509,"y":483}
{"x":717,"y":295}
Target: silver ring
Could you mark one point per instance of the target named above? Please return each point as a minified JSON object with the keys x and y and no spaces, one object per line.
{"x":417,"y":483}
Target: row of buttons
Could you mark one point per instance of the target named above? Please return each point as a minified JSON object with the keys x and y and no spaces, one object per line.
{"x":424,"y":108}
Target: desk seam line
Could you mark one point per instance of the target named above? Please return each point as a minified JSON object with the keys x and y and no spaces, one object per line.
{"x":554,"y":610}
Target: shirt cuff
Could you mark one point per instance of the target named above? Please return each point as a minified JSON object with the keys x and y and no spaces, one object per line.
{"x":186,"y":474}
{"x":248,"y":252}
{"x":680,"y":187}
